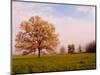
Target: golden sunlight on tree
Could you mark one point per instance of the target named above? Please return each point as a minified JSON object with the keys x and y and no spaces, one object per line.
{"x":36,"y":34}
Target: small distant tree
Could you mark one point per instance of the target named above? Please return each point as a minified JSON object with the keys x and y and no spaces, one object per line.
{"x":25,"y":53}
{"x":80,"y":48}
{"x":91,"y":47}
{"x":62,"y":50}
{"x":71,"y":48}
{"x":36,"y":34}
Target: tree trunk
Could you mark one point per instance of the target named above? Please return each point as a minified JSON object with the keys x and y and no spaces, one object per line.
{"x":38,"y":52}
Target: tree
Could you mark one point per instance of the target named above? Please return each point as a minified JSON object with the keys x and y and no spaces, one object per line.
{"x":91,"y":47}
{"x":36,"y":34}
{"x":62,"y":50}
{"x":71,"y":48}
{"x":80,"y":48}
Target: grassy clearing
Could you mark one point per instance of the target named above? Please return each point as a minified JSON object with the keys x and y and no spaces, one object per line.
{"x":48,"y":63}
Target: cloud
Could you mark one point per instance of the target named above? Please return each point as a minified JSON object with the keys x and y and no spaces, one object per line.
{"x":86,"y":9}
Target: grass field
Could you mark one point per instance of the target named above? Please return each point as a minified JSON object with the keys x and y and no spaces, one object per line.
{"x":52,"y":63}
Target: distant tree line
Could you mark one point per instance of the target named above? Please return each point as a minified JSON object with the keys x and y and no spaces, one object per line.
{"x":89,"y":48}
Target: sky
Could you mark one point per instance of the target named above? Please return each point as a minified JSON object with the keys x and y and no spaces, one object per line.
{"x":74,"y":23}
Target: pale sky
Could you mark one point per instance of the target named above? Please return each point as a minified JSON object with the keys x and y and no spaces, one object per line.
{"x":74,"y":23}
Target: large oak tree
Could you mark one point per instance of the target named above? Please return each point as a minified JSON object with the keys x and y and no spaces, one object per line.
{"x":36,"y":34}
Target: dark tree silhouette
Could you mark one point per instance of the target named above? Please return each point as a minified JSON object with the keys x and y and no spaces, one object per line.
{"x":91,"y":47}
{"x":71,"y":48}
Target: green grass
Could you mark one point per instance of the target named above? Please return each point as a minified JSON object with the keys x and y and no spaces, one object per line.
{"x":52,"y":63}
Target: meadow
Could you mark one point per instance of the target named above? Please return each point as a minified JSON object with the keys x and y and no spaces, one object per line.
{"x":53,"y":63}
